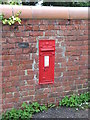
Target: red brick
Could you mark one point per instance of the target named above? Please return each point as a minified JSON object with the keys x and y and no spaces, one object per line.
{"x":18,"y":52}
{"x":83,"y":47}
{"x":16,"y":94}
{"x":10,"y":68}
{"x":83,"y":27}
{"x":74,"y":53}
{"x":63,"y":22}
{"x":24,"y":93}
{"x":32,"y":92}
{"x":46,"y":90}
{"x":24,"y":22}
{"x":43,"y":27}
{"x":8,"y":46}
{"x":41,"y":96}
{"x":11,"y":100}
{"x":30,"y":82}
{"x":8,"y":84}
{"x":50,"y":27}
{"x":21,"y":28}
{"x":27,"y":98}
{"x":12,"y":89}
{"x":36,"y":33}
{"x":5,"y":57}
{"x":28,"y":28}
{"x":63,"y":27}
{"x":26,"y":62}
{"x":14,"y":62}
{"x":15,"y":83}
{"x":24,"y":88}
{"x":35,"y":27}
{"x":73,"y":68}
{"x":14,"y":27}
{"x":68,"y":88}
{"x":13,"y":78}
{"x":71,"y":48}
{"x":8,"y":105}
{"x":9,"y":95}
{"x":6,"y":74}
{"x":27,"y":50}
{"x":50,"y":33}
{"x":14,"y":40}
{"x":76,"y":27}
{"x":23,"y":34}
{"x":3,"y":40}
{"x":51,"y":100}
{"x":56,"y":27}
{"x":77,"y":22}
{"x":6,"y":28}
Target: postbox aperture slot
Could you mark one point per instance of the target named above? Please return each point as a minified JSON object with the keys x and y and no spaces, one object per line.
{"x":46,"y":61}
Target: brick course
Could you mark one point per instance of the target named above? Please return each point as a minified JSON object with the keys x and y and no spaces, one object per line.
{"x":20,"y":70}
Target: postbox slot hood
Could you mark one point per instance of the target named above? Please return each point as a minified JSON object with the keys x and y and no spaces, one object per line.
{"x":47,"y":49}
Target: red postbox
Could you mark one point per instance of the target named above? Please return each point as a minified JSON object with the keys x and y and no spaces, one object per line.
{"x":46,"y":61}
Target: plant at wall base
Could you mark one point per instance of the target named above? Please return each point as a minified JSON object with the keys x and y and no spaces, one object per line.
{"x":51,"y":105}
{"x":25,"y":113}
{"x":76,"y":101}
{"x":11,"y":20}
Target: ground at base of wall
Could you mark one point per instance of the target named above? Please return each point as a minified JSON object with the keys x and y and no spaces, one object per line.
{"x":62,"y":112}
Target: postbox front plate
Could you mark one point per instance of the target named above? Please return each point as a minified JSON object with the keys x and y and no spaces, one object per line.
{"x":46,"y":61}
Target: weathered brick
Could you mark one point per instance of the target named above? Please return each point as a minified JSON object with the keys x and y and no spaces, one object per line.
{"x":8,"y":46}
{"x":10,"y":68}
{"x":28,"y":27}
{"x":21,"y":28}
{"x":12,"y":89}
{"x":7,"y":106}
{"x":11,"y":100}
{"x":6,"y":74}
{"x":36,"y":33}
{"x":35,"y":27}
{"x":23,"y":34}
{"x":43,"y":27}
{"x":6,"y":28}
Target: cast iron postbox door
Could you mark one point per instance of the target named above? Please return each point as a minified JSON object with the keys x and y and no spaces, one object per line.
{"x":46,"y":61}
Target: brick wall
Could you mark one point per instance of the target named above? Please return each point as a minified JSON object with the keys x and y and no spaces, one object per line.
{"x":20,"y":70}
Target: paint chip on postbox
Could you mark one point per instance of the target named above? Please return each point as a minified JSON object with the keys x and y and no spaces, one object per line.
{"x":46,"y":61}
